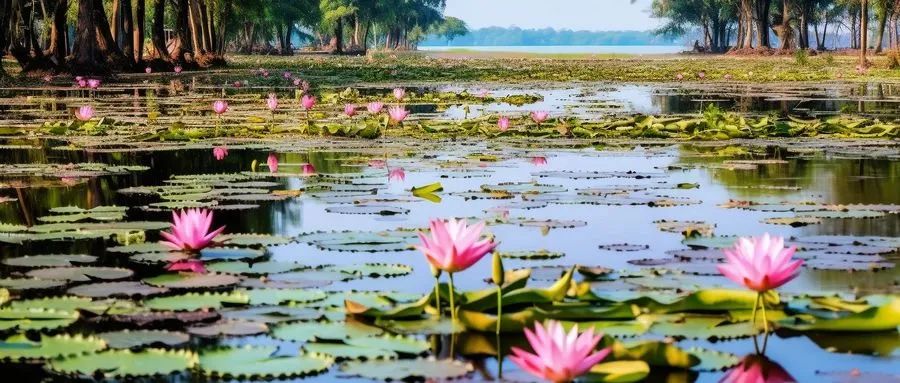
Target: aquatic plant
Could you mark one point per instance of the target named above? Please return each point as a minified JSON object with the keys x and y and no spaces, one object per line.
{"x":177,"y":69}
{"x":220,"y":152}
{"x":220,"y":107}
{"x":272,"y":102}
{"x":84,"y":113}
{"x":399,"y":93}
{"x":191,"y":230}
{"x":559,"y":356}
{"x":375,"y":107}
{"x":349,"y":110}
{"x":272,"y":162}
{"x":307,"y":102}
{"x":498,"y":276}
{"x":503,"y":123}
{"x":398,"y":114}
{"x":757,"y":369}
{"x":191,"y":265}
{"x":761,"y":264}
{"x":539,"y":116}
{"x":454,"y":246}
{"x":308,"y":169}
{"x":397,"y":174}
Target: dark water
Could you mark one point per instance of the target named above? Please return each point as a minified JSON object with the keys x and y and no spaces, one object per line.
{"x":818,"y":179}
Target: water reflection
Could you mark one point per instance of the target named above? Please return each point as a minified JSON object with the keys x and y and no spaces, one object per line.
{"x":757,"y":368}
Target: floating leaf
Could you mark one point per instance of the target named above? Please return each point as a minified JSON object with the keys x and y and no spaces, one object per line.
{"x":192,"y":280}
{"x":229,"y":328}
{"x":125,"y":363}
{"x":52,"y":260}
{"x":406,"y":369}
{"x":19,"y":346}
{"x":116,"y":289}
{"x":144,"y":338}
{"x":81,"y":274}
{"x":625,"y":371}
{"x":197,"y":301}
{"x":307,"y":331}
{"x":260,"y":363}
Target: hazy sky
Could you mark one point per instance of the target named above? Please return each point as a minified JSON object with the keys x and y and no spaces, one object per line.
{"x":594,"y":15}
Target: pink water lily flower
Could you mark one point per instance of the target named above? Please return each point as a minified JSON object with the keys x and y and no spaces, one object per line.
{"x":729,"y":77}
{"x":375,"y":107}
{"x":307,"y":102}
{"x":757,"y":369}
{"x":308,"y":169}
{"x":84,"y":113}
{"x":397,"y":174}
{"x":93,"y":83}
{"x":272,"y":102}
{"x":272,"y":162}
{"x":540,"y":116}
{"x":503,"y":123}
{"x":177,"y":69}
{"x":399,"y":93}
{"x":454,"y":245}
{"x":190,"y":230}
{"x":559,"y":356}
{"x":220,"y":152}
{"x":760,"y":263}
{"x":679,"y":76}
{"x":82,"y":83}
{"x":236,"y":84}
{"x":148,"y":70}
{"x":48,"y":78}
{"x":190,"y":265}
{"x":377,"y":164}
{"x":539,"y":160}
{"x":398,"y":113}
{"x":220,"y":107}
{"x":286,"y":74}
{"x":350,"y":110}
{"x":701,"y":75}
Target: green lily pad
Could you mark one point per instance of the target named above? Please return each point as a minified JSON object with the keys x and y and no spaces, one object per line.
{"x":35,"y":318}
{"x":375,"y":270}
{"x":624,"y":371}
{"x":406,"y":369}
{"x":116,"y":289}
{"x":341,"y":351}
{"x":229,"y":328}
{"x":307,"y":331}
{"x":197,"y":301}
{"x":398,"y":343}
{"x":260,"y":363}
{"x":192,"y":280}
{"x":30,"y":283}
{"x":283,"y":296}
{"x":273,"y":314}
{"x":143,"y":338}
{"x":52,"y":260}
{"x":81,"y":274}
{"x":125,"y":363}
{"x":18,"y":347}
{"x":253,"y":240}
{"x":253,"y":268}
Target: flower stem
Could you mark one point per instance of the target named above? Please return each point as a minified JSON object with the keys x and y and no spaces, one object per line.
{"x":762,"y":302}
{"x":437,"y":295}
{"x":755,"y":305}
{"x":499,"y":307}
{"x":452,"y":303}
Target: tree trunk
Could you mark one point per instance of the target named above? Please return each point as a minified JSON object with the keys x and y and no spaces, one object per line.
{"x":804,"y":24}
{"x":863,"y":31}
{"x":138,"y":35}
{"x":762,"y":23}
{"x":115,"y":16}
{"x":5,"y":10}
{"x":337,"y":39}
{"x":879,"y":34}
{"x":786,"y":30}
{"x":180,"y":46}
{"x":158,"y":31}
{"x":127,"y":30}
{"x":58,"y":48}
{"x":95,"y":50}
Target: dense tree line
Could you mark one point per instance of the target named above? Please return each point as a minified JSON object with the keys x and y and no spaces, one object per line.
{"x":494,"y":36}
{"x":101,"y":36}
{"x":783,"y":24}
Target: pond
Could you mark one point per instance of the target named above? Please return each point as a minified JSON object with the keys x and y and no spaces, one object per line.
{"x":640,"y":219}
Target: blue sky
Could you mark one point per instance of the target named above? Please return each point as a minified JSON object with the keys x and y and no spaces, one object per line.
{"x":594,"y":15}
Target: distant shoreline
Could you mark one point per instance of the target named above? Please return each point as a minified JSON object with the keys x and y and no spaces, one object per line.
{"x":558,"y":49}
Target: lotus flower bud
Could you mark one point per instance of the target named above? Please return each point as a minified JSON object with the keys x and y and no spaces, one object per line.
{"x":497,"y":273}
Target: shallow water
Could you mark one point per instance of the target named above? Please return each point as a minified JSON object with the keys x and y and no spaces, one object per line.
{"x":692,"y":176}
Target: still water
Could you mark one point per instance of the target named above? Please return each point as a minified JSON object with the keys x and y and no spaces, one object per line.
{"x":610,"y":197}
{"x":565,"y":49}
